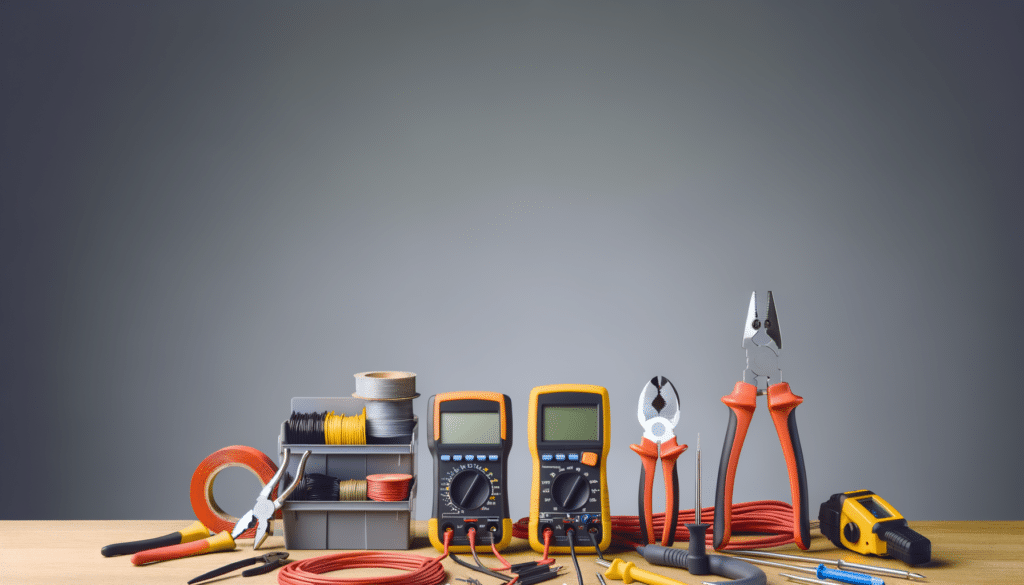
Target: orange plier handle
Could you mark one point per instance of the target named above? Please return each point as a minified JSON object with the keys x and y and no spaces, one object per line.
{"x":782,"y":403}
{"x":648,"y":452}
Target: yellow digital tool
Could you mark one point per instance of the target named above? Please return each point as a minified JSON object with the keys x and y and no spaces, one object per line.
{"x":865,"y":523}
{"x":569,"y":428}
{"x":470,"y":438}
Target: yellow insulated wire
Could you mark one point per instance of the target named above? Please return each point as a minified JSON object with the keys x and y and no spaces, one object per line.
{"x":345,"y":430}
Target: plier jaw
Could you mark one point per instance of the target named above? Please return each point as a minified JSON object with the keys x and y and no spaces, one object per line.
{"x":658,"y":413}
{"x":762,"y":340}
{"x":658,"y":409}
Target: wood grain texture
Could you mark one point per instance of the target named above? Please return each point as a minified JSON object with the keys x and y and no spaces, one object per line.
{"x":38,"y":552}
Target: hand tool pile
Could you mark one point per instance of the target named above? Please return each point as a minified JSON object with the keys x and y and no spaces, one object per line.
{"x":859,"y":520}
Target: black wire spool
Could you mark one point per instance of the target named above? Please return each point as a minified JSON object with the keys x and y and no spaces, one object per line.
{"x":318,"y":487}
{"x":305,"y":428}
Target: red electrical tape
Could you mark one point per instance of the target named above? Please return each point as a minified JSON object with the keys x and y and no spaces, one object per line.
{"x":388,"y":487}
{"x":201,"y":491}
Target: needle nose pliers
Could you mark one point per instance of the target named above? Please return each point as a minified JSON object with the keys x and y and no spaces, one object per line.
{"x":762,"y":341}
{"x":270,"y":562}
{"x":658,"y":413}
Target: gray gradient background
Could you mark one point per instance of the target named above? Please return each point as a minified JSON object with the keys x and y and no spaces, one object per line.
{"x":209,"y":208}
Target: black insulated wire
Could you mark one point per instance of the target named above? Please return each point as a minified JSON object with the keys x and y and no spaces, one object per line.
{"x":572,"y":552}
{"x":597,"y":547}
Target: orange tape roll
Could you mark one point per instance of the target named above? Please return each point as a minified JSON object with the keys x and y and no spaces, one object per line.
{"x":201,"y":491}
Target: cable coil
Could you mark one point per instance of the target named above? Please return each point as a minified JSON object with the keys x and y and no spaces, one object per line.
{"x":326,"y":428}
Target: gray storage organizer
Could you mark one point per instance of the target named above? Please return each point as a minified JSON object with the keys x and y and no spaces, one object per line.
{"x":367,"y":525}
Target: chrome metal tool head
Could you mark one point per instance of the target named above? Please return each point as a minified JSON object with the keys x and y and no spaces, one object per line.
{"x":658,"y":410}
{"x":762,"y":339}
{"x":262,"y":513}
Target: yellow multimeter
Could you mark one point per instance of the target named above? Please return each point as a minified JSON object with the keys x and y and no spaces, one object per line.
{"x":470,"y":438}
{"x":570,"y":429}
{"x":865,"y":523}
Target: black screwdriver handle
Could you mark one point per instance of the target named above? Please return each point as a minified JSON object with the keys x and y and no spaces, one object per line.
{"x":130,"y":548}
{"x":741,"y":572}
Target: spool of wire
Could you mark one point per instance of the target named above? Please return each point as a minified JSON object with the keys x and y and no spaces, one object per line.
{"x":388,"y":487}
{"x":326,"y":428}
{"x":352,"y":490}
{"x":317,"y":487}
{"x":388,"y":395}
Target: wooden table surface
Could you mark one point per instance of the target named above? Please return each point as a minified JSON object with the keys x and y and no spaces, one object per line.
{"x":69,"y":552}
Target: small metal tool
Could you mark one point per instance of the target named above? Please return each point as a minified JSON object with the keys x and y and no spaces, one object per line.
{"x":823,"y":572}
{"x":841,"y":564}
{"x":805,"y":579}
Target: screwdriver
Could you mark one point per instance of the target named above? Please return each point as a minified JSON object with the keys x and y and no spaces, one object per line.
{"x":823,"y":572}
{"x":841,"y":564}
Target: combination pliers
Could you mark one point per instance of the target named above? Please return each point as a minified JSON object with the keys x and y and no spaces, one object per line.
{"x":658,"y":413}
{"x":762,"y":341}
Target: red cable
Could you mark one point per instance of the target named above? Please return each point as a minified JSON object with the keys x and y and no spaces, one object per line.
{"x":420,"y":570}
{"x":770,"y":517}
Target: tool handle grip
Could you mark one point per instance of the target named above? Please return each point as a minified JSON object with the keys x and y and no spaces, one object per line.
{"x":741,"y":405}
{"x":648,"y":452}
{"x":904,"y":543}
{"x":782,"y":403}
{"x":130,"y":548}
{"x":848,"y":576}
{"x":741,"y":572}
{"x":191,"y":533}
{"x":218,"y":542}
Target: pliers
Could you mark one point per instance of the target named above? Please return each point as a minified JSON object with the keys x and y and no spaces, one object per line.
{"x":762,"y":341}
{"x":658,"y":413}
{"x":262,"y":513}
{"x":261,"y":516}
{"x":270,"y":562}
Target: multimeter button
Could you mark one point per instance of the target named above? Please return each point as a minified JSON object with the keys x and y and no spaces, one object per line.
{"x":492,"y":457}
{"x":456,"y":457}
{"x":481,"y":457}
{"x":470,"y":457}
{"x":574,"y":456}
{"x":546,"y":457}
{"x":589,"y":458}
{"x":446,"y":457}
{"x":559,"y":456}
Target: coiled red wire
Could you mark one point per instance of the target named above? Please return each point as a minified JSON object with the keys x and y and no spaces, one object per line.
{"x":772,"y":518}
{"x":420,"y":570}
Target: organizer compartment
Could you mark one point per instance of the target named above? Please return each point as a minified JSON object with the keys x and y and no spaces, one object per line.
{"x":365,"y":525}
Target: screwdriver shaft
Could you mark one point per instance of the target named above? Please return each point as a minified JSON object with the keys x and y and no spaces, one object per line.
{"x":838,"y":563}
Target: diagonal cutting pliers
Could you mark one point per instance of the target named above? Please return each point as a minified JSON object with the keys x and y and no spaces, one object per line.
{"x":762,"y":340}
{"x":270,"y":562}
{"x":658,"y":413}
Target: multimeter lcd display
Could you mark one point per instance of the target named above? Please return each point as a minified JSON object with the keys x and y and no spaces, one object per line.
{"x":571,"y":423}
{"x":471,"y":428}
{"x":877,"y":510}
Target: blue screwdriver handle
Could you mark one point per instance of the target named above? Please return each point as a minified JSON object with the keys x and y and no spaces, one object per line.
{"x":848,"y":576}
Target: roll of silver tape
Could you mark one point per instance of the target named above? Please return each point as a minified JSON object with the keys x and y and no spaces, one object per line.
{"x":385,"y":385}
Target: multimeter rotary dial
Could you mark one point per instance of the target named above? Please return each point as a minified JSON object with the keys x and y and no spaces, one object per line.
{"x":470,"y":488}
{"x":571,"y":489}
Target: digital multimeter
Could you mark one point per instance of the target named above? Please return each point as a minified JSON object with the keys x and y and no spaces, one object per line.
{"x":865,"y":523}
{"x":470,"y":438}
{"x":569,"y":427}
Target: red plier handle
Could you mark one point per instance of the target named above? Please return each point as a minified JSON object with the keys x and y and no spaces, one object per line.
{"x":648,"y":452}
{"x":782,"y":403}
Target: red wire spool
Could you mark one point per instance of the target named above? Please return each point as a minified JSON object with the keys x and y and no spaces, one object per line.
{"x":388,"y":487}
